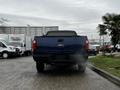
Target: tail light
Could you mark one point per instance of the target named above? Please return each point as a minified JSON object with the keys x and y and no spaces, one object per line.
{"x":87,"y":45}
{"x":34,"y":45}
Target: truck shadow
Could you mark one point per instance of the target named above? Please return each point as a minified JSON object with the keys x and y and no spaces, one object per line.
{"x":61,"y":71}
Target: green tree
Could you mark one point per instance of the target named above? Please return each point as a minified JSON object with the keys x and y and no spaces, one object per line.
{"x":102,"y":29}
{"x":111,"y":22}
{"x":102,"y":32}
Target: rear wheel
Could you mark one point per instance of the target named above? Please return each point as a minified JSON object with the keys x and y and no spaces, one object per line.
{"x":5,"y":55}
{"x":39,"y":67}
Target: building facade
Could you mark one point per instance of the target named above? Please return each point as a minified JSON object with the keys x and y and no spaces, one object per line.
{"x":28,"y":30}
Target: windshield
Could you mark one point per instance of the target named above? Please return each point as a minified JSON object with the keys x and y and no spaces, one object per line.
{"x":16,"y":44}
{"x":4,"y":41}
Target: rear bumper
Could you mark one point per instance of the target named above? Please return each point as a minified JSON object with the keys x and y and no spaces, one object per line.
{"x":65,"y":59}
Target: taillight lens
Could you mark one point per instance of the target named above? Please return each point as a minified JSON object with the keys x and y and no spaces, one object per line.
{"x":34,"y":45}
{"x":87,"y":45}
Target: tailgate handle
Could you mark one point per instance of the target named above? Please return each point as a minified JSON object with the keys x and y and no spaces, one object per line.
{"x":60,"y":40}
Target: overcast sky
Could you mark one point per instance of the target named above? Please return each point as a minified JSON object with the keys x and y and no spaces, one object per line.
{"x":80,"y":15}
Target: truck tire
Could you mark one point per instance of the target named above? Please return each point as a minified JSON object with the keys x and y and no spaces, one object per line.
{"x":81,"y":68}
{"x":5,"y":55}
{"x":39,"y":67}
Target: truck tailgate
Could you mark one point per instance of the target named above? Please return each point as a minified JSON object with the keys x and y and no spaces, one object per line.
{"x":59,"y":45}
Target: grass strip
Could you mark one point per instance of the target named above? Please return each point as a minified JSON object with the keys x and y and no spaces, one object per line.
{"x":109,"y":64}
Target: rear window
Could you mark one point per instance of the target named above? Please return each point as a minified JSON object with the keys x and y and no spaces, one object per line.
{"x":61,"y":33}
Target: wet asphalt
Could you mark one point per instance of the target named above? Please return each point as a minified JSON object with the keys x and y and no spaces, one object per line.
{"x":20,"y":74}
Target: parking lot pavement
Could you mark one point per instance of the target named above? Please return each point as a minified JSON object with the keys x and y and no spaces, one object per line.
{"x":20,"y":74}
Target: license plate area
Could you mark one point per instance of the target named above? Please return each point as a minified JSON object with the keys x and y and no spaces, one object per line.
{"x":60,"y":57}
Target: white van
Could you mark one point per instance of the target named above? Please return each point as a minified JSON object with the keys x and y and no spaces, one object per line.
{"x":6,"y":50}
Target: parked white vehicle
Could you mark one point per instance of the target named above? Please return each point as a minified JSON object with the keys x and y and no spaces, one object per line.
{"x":94,"y":49}
{"x":19,"y":47}
{"x":21,"y":42}
{"x":118,"y":47}
{"x":6,"y":50}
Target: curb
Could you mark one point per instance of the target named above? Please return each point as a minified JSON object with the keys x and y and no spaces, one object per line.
{"x":106,"y":75}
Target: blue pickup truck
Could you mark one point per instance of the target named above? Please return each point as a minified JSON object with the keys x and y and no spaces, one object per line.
{"x":60,"y":48}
